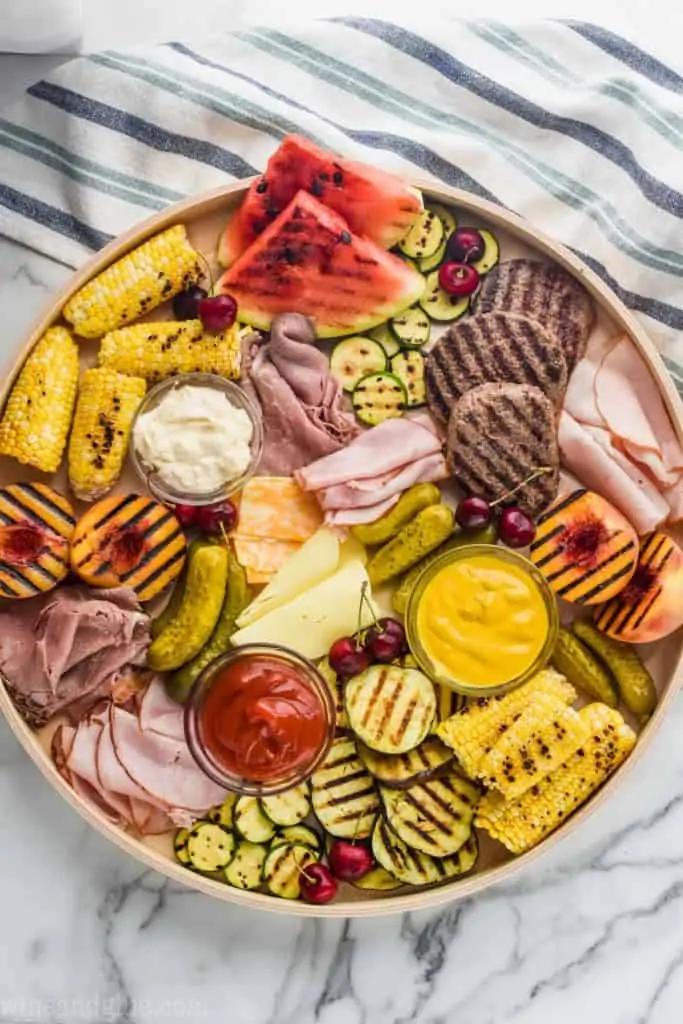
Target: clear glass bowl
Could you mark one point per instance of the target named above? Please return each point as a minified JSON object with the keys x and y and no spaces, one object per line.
{"x":510,"y":557}
{"x":307,"y":672}
{"x":158,"y":487}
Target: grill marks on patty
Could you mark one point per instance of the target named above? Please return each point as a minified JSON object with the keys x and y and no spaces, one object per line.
{"x":498,"y":434}
{"x":546,"y":293}
{"x":493,"y":348}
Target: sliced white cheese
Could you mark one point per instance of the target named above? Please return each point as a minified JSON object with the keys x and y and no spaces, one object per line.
{"x":315,"y":560}
{"x":311,"y":622}
{"x":350,"y":549}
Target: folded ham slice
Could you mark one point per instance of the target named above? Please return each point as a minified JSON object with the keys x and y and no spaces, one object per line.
{"x":356,"y":516}
{"x":364,"y":493}
{"x":598,"y":468}
{"x":381,"y":450}
{"x":161,"y":714}
{"x":634,"y":412}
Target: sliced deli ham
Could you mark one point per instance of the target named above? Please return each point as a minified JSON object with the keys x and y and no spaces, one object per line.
{"x":598,"y":469}
{"x":633,"y":410}
{"x":159,"y":713}
{"x":356,"y":516}
{"x":364,"y":493}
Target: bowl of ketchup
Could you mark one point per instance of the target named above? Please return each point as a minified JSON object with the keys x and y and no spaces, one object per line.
{"x":259,"y":719}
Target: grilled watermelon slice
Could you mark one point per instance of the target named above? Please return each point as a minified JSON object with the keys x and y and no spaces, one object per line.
{"x":308,"y":261}
{"x":374,"y":203}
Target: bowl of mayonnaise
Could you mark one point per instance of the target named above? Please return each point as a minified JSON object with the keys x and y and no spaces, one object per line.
{"x":196,"y":439}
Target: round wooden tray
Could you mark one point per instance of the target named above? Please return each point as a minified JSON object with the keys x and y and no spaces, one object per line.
{"x":204,"y":217}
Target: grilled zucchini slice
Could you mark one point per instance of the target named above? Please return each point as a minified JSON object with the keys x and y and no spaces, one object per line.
{"x":250,"y":820}
{"x":429,"y":263}
{"x":414,"y":868}
{"x":354,"y":358}
{"x":283,"y":867}
{"x":391,"y":709}
{"x":288,"y":808}
{"x":245,"y":870}
{"x":434,"y":817}
{"x":383,"y":335}
{"x":299,"y":835}
{"x":424,"y":237}
{"x":491,"y":254}
{"x":379,"y":397}
{"x":411,"y":327}
{"x":337,"y":687}
{"x":180,"y":846}
{"x":400,"y":771}
{"x":377,"y":880}
{"x":344,"y":797}
{"x":446,"y":216}
{"x":438,"y":304}
{"x":210,"y":847}
{"x":409,"y":366}
{"x":222,"y":814}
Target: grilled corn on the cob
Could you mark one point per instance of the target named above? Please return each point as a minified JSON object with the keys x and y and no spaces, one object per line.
{"x":106,"y":405}
{"x":37,"y":417}
{"x":541,"y":739}
{"x":473,"y":731}
{"x":160,"y":350}
{"x":136,"y":284}
{"x":522,"y":823}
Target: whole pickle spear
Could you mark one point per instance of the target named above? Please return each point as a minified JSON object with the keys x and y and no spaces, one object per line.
{"x":406,"y":508}
{"x":235,"y":601}
{"x":169,"y":612}
{"x":577,"y":662}
{"x":196,"y":618}
{"x":635,"y":683}
{"x":429,"y":529}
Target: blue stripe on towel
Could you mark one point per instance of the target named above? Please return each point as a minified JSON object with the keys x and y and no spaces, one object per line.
{"x":50,"y":217}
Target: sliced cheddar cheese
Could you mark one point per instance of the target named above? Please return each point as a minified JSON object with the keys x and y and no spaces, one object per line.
{"x":275,"y":507}
{"x":261,"y":557}
{"x":311,"y":622}
{"x":313,"y":562}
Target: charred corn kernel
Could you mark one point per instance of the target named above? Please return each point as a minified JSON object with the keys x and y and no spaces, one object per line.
{"x":157,"y":351}
{"x":136,"y":284}
{"x":198,"y":614}
{"x":544,"y":736}
{"x":37,"y":417}
{"x":522,"y":823}
{"x":473,"y":731}
{"x":106,"y":405}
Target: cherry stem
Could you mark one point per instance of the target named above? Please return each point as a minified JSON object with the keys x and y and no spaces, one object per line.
{"x":207,"y":266}
{"x":541,"y":471}
{"x":226,"y":539}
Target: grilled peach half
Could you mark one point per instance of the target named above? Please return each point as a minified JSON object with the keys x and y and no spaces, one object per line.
{"x":129,"y":541}
{"x":36,"y":524}
{"x":586,"y":549}
{"x":651,"y":605}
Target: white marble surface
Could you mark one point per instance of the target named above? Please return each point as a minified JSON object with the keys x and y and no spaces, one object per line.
{"x":593,"y":933}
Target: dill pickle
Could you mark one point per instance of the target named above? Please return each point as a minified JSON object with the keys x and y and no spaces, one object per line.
{"x":200,"y":607}
{"x":399,"y":599}
{"x":172,"y":606}
{"x":427,"y":531}
{"x":577,"y":662}
{"x":235,"y":600}
{"x":636,"y":687}
{"x":406,"y":508}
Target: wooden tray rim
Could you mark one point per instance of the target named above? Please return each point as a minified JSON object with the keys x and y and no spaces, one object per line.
{"x":378,"y":905}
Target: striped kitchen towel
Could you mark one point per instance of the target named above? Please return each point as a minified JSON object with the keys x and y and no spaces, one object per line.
{"x":568,"y":124}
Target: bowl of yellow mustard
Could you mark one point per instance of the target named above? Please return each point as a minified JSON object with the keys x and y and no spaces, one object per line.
{"x":481,"y":619}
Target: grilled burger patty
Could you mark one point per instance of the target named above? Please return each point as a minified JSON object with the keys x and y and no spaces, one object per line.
{"x":498,"y":434}
{"x":546,"y":293}
{"x":495,"y":348}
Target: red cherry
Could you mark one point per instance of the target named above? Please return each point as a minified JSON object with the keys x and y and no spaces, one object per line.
{"x":186,"y":515}
{"x":473,"y":513}
{"x":386,"y":640}
{"x":349,"y":861}
{"x":516,"y":528}
{"x":216,"y":519}
{"x":217,"y":313}
{"x":458,"y":279}
{"x":317,"y":884}
{"x":346,"y":658}
{"x":465,"y":246}
{"x":186,"y":304}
